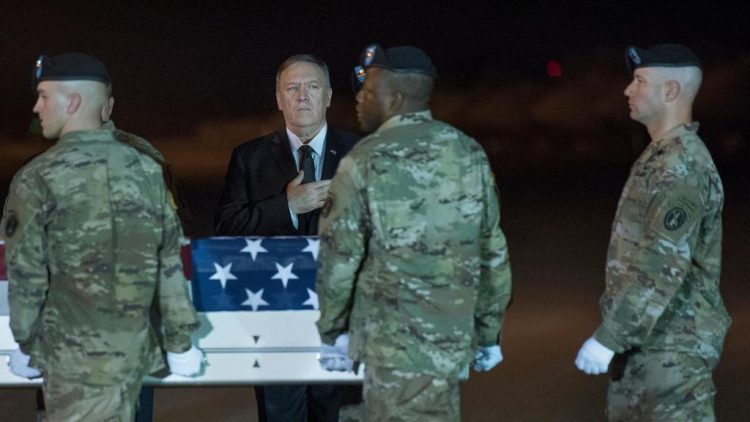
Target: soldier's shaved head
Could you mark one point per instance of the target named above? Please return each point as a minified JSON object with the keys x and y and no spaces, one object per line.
{"x":94,"y":97}
{"x":65,"y":106}
{"x":416,"y":87}
{"x":689,"y":78}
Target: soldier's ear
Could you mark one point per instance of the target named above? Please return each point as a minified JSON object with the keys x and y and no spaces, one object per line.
{"x":395,"y":102}
{"x":107,"y":109}
{"x":74,"y":102}
{"x":672,"y":90}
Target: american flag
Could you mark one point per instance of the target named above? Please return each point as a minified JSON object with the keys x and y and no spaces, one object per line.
{"x":254,"y":274}
{"x":257,"y":304}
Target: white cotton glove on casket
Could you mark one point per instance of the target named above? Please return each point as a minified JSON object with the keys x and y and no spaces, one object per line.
{"x":594,"y":358}
{"x":18,"y":363}
{"x":336,"y":358}
{"x":187,"y":364}
{"x":487,"y":358}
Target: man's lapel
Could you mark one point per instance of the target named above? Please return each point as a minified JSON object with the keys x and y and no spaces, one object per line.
{"x":282,"y":155}
{"x":333,"y":155}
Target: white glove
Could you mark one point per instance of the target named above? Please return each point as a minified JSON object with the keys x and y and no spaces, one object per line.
{"x":336,"y":358}
{"x":594,"y":358}
{"x":187,"y":364}
{"x":18,"y":363}
{"x":487,"y":358}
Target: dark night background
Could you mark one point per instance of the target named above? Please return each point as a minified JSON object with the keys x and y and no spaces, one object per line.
{"x":197,"y":79}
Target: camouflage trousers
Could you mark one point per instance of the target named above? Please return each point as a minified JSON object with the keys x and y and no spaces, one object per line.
{"x":396,"y":395}
{"x":68,"y":401}
{"x":661,"y":386}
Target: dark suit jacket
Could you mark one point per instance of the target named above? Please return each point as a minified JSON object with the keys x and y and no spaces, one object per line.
{"x":253,"y":202}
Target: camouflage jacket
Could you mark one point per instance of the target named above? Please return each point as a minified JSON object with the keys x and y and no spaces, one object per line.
{"x":91,"y":244}
{"x":664,"y":258}
{"x":413,"y":263}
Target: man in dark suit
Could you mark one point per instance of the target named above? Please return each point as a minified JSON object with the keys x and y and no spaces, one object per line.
{"x":275,"y":186}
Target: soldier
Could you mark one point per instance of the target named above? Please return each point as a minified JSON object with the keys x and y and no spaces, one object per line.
{"x":413,"y":264}
{"x":664,"y":320}
{"x":92,"y":240}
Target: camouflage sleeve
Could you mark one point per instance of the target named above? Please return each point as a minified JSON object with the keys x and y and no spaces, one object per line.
{"x":25,"y":237}
{"x":494,"y":291}
{"x":657,"y":269}
{"x":178,"y":316}
{"x":342,"y":247}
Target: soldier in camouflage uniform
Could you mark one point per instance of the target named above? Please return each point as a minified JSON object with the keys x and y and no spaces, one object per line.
{"x":413,"y":264}
{"x":91,"y":243}
{"x":663,"y":315}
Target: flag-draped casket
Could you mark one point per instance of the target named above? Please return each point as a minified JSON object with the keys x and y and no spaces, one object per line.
{"x":257,"y":304}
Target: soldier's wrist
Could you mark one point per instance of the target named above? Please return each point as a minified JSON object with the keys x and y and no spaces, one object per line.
{"x":25,"y":347}
{"x":608,"y":339}
{"x":178,"y":345}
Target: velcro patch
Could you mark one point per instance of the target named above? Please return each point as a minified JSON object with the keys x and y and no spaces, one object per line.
{"x":677,"y":214}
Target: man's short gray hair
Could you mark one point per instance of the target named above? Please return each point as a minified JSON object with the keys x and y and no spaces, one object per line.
{"x":309,"y":58}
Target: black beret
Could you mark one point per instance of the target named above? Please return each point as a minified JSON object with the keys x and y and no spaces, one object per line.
{"x":403,"y":59}
{"x":661,"y":55}
{"x":69,"y":67}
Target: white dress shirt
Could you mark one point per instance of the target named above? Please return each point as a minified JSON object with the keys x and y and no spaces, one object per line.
{"x":318,"y":144}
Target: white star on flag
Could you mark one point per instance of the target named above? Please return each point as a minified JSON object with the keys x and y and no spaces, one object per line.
{"x":254,"y":300}
{"x":223,"y":274}
{"x":313,"y":246}
{"x":312,"y":300}
{"x":253,"y":248}
{"x":284,"y":274}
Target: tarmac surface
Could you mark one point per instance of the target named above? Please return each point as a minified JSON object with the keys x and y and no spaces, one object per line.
{"x":557,"y":228}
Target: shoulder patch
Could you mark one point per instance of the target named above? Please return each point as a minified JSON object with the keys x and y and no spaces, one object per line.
{"x":677,"y":214}
{"x":675,"y":218}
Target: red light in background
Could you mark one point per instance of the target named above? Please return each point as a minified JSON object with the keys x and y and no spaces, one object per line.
{"x":554,"y":69}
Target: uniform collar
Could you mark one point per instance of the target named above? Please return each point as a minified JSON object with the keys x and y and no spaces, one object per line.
{"x":102,"y":134}
{"x":406,"y":119}
{"x":679,"y":131}
{"x":668,"y":140}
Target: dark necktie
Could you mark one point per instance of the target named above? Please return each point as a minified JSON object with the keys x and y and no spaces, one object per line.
{"x":307,"y":163}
